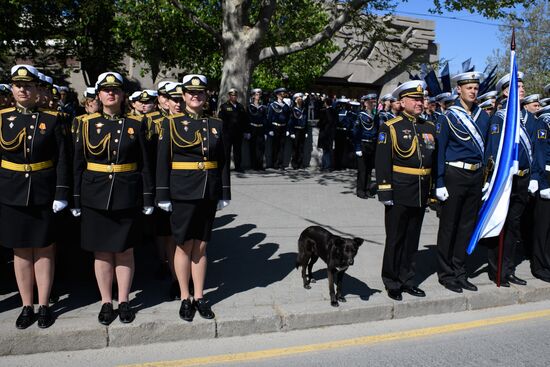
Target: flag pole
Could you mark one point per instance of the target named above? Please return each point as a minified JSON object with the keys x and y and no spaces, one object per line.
{"x":501,"y":236}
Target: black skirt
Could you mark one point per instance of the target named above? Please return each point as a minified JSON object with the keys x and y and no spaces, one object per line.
{"x":162,"y":223}
{"x":111,"y":230}
{"x":26,"y":226}
{"x":192,"y":219}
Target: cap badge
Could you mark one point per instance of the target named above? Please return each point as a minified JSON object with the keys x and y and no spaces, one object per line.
{"x":195,"y":81}
{"x":22,"y":72}
{"x":144,"y":95}
{"x":419,"y":88}
{"x":179,"y":90}
{"x":110,"y":78}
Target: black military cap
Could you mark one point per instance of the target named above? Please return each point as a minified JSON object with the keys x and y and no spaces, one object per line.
{"x":24,"y":73}
{"x":194,"y":82}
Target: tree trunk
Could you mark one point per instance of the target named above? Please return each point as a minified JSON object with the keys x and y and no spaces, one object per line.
{"x":236,"y":71}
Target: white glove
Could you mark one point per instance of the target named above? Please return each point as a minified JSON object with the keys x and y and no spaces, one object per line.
{"x":441,"y":193}
{"x":148,"y":210}
{"x":388,"y":202}
{"x":485,"y":188}
{"x":59,"y":205}
{"x":271,"y":133}
{"x":292,"y":136}
{"x":545,"y":194}
{"x":287,"y":133}
{"x":359,"y":153}
{"x":222,"y":204}
{"x":165,"y":205}
{"x":533,"y":186}
{"x":247,"y":136}
{"x":76,"y":212}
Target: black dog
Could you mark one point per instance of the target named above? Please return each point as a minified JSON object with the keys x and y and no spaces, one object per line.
{"x":338,"y":252}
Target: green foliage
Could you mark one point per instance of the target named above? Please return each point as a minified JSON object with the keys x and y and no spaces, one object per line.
{"x":487,"y":8}
{"x":532,"y":50}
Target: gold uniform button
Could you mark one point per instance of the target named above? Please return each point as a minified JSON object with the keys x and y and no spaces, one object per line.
{"x":205,"y":149}
{"x":118,"y":131}
{"x":114,"y":152}
{"x":26,"y":175}
{"x":28,"y":150}
{"x":203,"y":129}
{"x":110,"y":177}
{"x":33,"y":116}
{"x":204,"y":139}
{"x":116,"y":140}
{"x":32,"y":127}
{"x":204,"y":158}
{"x":120,"y":122}
{"x":29,"y":137}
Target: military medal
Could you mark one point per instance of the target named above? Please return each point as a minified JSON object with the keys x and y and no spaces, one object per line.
{"x":131,"y":132}
{"x":214,"y":131}
{"x":98,"y":127}
{"x":11,"y":125}
{"x":42,"y":128}
{"x":407,"y":134}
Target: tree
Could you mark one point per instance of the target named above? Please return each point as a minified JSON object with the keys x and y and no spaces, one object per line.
{"x":247,"y":26}
{"x":532,"y":28}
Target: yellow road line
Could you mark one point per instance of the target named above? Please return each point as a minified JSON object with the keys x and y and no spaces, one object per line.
{"x":365,"y":340}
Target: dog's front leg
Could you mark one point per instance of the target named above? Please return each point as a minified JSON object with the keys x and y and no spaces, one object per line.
{"x":339,"y":277}
{"x":333,"y":301}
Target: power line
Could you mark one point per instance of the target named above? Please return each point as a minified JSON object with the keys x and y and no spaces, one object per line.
{"x":468,"y":20}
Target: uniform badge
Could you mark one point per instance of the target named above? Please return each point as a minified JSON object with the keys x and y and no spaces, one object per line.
{"x":407,"y":134}
{"x":131,"y":132}
{"x":11,"y":125}
{"x":541,"y":134}
{"x":42,"y":128}
{"x":98,"y":127}
{"x":11,"y":118}
{"x":185,"y":128}
{"x":214,"y":131}
{"x":495,"y":129}
{"x":382,"y":138}
{"x":429,"y":141}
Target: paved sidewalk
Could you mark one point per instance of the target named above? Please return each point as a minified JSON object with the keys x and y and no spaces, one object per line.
{"x":251,"y":278}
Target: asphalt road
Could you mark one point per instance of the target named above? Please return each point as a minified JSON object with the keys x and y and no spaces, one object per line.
{"x":517,"y":335}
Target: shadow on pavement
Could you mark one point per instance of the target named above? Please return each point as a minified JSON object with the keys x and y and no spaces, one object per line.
{"x":238,"y":260}
{"x":350,"y":285}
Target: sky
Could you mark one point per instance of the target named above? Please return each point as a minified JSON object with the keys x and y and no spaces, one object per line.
{"x":461,"y":38}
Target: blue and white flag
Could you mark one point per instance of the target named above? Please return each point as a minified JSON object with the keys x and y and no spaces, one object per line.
{"x":497,"y":198}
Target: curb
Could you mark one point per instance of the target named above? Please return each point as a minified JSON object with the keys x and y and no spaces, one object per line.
{"x":74,"y":333}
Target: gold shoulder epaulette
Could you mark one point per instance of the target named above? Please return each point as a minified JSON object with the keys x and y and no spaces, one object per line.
{"x":394,"y":120}
{"x":49,"y":112}
{"x":176,"y":115}
{"x":135,"y":117}
{"x":89,"y":117}
{"x":152,"y":114}
{"x":9,"y":109}
{"x":80,"y":117}
{"x":159,"y":120}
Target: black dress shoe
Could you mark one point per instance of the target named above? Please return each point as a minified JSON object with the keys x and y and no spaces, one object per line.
{"x":452,"y":286}
{"x":25,"y":318}
{"x":395,"y":294}
{"x":413,"y":291}
{"x":465,"y":284}
{"x":204,"y":308}
{"x":125,"y":313}
{"x":512,"y":278}
{"x":45,"y":317}
{"x":107,"y":314}
{"x":187,"y":310}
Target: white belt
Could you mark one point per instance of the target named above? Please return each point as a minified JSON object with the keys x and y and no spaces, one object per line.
{"x":464,"y":165}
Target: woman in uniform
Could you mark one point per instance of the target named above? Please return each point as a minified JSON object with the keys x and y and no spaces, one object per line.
{"x":112,"y":184}
{"x":192,"y":181}
{"x":34,"y":173}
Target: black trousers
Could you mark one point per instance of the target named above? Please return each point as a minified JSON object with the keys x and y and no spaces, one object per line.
{"x":298,"y":145}
{"x":512,"y":231}
{"x":457,"y":221}
{"x":234,"y":141}
{"x":341,"y":149}
{"x":540,"y":259}
{"x":257,"y":148}
{"x":403,"y":225}
{"x":365,"y":165}
{"x":278,"y":147}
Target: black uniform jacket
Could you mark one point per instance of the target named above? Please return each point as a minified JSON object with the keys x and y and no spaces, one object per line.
{"x":27,"y":138}
{"x":405,"y":155}
{"x":117,"y":141}
{"x":184,"y":138}
{"x":235,"y":119}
